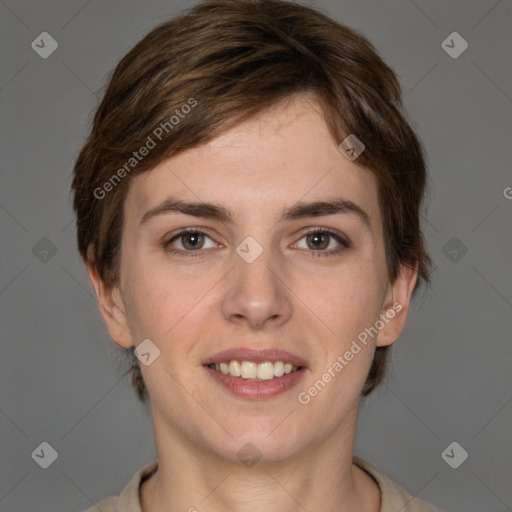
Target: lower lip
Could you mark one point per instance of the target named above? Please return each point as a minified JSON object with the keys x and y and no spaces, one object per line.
{"x":257,"y":389}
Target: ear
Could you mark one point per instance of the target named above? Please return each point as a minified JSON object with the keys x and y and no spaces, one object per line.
{"x":111,"y":305}
{"x":396,"y":305}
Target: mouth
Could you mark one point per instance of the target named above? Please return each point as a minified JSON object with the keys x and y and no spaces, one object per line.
{"x":250,"y":370}
{"x":256,"y":374}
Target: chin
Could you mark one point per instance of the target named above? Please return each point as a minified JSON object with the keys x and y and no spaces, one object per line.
{"x":266,"y":440}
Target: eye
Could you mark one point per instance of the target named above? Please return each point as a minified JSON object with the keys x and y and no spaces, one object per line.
{"x":189,"y":241}
{"x":324,"y":242}
{"x":320,"y":242}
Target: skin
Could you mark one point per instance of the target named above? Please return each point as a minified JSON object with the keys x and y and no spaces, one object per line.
{"x":290,"y":297}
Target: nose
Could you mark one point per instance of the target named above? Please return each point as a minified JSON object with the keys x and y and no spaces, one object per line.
{"x":257,"y":293}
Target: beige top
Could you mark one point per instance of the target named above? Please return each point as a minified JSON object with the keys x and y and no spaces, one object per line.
{"x":393,"y":497}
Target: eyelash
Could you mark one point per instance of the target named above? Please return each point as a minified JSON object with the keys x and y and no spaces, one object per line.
{"x":344,"y":244}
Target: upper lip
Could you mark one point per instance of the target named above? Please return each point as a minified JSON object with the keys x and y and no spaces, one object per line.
{"x":255,"y":355}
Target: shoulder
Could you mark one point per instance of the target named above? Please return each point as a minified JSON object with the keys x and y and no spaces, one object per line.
{"x":106,"y":505}
{"x":393,"y":497}
{"x":129,"y":499}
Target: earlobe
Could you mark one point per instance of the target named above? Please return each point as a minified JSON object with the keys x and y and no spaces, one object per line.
{"x":394,"y":314}
{"x":111,"y":307}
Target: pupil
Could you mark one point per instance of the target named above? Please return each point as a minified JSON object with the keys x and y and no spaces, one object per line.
{"x":317,"y":241}
{"x":192,"y":240}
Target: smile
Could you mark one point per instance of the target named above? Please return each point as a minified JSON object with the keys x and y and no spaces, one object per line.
{"x":249,"y":370}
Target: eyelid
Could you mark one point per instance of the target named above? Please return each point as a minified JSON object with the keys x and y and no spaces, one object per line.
{"x":322,"y":229}
{"x":182,"y":231}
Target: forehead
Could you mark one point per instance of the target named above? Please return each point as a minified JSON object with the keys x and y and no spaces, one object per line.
{"x":281,"y":156}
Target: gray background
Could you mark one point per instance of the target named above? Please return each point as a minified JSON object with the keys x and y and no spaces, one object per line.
{"x":61,"y":377}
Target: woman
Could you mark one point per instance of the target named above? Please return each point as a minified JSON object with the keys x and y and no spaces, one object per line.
{"x":248,"y":210}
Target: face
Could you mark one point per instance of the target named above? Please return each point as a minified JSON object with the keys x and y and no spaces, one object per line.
{"x":281,"y":262}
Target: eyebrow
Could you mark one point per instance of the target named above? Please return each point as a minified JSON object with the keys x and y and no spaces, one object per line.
{"x":299,"y":210}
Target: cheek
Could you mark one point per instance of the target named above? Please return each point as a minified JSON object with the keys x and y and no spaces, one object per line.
{"x":346,"y":300}
{"x":160,"y":302}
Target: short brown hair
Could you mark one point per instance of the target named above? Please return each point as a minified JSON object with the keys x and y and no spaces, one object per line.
{"x":235,"y":58}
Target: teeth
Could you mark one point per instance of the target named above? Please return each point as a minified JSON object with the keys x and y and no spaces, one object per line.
{"x":279,"y":368}
{"x":234,"y":368}
{"x":265,"y":371}
{"x":249,"y":370}
{"x":254,"y":371}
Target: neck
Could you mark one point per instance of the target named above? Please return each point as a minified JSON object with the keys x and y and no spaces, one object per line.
{"x":321,"y":478}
